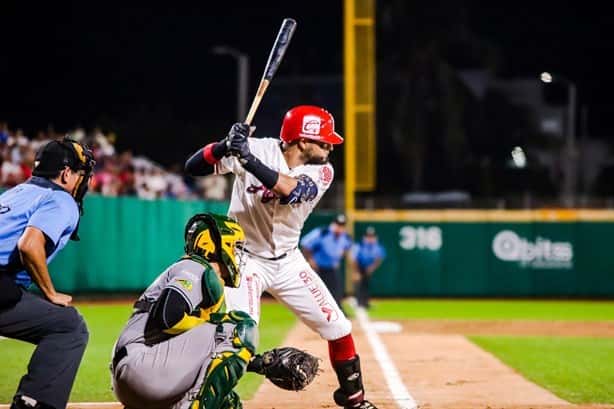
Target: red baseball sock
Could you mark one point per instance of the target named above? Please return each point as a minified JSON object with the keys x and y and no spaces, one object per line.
{"x":341,"y":349}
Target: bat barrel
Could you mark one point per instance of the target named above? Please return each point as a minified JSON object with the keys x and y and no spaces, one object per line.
{"x":279,"y":47}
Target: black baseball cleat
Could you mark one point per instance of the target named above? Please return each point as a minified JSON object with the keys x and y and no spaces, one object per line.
{"x":26,"y":402}
{"x":365,"y":404}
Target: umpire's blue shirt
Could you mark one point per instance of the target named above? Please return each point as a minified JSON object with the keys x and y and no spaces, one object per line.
{"x":326,"y":247}
{"x":38,"y":203}
{"x":366,"y":253}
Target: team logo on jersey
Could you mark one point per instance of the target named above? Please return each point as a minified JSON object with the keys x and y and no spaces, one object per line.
{"x":311,"y":126}
{"x":326,"y":174}
{"x":187,"y":284}
{"x":267,"y":195}
{"x":4,"y":209}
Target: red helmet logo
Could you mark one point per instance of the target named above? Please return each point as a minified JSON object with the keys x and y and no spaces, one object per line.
{"x":311,"y":122}
{"x":311,"y":126}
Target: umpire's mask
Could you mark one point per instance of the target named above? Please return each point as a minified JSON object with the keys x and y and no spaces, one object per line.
{"x":56,"y":155}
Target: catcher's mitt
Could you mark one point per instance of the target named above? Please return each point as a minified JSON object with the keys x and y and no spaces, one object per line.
{"x":287,"y":367}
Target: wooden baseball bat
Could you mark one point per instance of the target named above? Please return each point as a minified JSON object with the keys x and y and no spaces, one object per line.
{"x":277,"y":54}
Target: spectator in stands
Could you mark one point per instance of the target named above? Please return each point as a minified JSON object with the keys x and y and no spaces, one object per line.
{"x":127,"y":180}
{"x":115,"y":174}
{"x":10,"y":171}
{"x":4,"y":134}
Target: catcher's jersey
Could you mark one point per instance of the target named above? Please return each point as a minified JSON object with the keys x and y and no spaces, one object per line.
{"x":184,"y":276}
{"x":271,"y":229}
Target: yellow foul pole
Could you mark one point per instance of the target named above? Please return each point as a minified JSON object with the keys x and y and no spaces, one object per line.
{"x":349,"y":86}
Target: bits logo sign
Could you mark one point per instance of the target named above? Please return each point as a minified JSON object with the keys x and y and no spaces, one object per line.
{"x":311,"y":126}
{"x":542,"y":253}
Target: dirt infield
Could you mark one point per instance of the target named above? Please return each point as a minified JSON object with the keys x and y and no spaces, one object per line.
{"x":439,"y":366}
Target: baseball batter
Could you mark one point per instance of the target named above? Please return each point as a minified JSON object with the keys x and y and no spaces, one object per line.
{"x":277,"y":185}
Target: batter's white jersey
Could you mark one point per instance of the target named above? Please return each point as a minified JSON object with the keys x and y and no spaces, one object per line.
{"x":272,"y":230}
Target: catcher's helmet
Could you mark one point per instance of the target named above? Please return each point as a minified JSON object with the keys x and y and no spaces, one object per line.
{"x":311,"y":122}
{"x":219,"y":239}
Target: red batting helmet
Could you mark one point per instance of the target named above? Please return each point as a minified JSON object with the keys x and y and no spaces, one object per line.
{"x":311,"y":122}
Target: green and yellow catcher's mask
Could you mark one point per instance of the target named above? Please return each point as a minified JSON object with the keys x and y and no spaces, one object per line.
{"x":219,"y":239}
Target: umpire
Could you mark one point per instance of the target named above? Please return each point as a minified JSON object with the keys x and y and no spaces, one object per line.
{"x":37,"y":218}
{"x":367,"y":257}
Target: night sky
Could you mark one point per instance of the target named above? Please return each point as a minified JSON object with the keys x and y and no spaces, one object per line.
{"x":570,"y":38}
{"x":141,"y":70}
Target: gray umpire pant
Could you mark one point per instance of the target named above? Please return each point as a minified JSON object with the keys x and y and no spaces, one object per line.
{"x":61,"y":336}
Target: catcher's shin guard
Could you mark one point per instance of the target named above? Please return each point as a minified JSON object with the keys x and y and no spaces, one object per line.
{"x":222,"y":376}
{"x":228,"y":366}
{"x":351,"y":391}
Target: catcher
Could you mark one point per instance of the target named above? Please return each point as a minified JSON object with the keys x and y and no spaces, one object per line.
{"x":180,"y":349}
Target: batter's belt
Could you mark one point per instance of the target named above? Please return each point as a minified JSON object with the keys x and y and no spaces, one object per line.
{"x":269,"y":258}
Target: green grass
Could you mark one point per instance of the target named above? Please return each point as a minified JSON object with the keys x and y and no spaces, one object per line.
{"x":104,"y":323}
{"x":579,"y":370}
{"x":492,"y":310}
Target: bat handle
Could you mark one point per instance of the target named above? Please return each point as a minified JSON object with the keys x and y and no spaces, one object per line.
{"x":264,"y":84}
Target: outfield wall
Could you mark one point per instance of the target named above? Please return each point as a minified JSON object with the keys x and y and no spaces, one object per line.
{"x":127,"y":242}
{"x":494,"y":253}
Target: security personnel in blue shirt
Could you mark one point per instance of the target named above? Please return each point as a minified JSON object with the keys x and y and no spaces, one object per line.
{"x":37,"y":218}
{"x":324,"y":248}
{"x":367,"y":257}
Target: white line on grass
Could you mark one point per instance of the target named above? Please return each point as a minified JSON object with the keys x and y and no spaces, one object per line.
{"x":399,"y":392}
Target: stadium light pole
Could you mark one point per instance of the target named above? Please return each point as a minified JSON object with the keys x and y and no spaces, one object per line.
{"x":569,"y":182}
{"x":242,"y":60}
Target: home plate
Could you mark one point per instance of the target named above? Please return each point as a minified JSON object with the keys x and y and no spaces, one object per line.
{"x":386,"y":327}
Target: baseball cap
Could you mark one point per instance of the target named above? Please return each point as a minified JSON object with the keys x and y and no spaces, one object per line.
{"x":57,"y":154}
{"x":340,"y":219}
{"x":370,"y":231}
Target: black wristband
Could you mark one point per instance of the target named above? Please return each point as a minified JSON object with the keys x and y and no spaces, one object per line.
{"x":220,"y":149}
{"x":263,"y":173}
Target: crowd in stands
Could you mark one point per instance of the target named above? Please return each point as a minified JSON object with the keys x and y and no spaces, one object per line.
{"x":115,"y":174}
